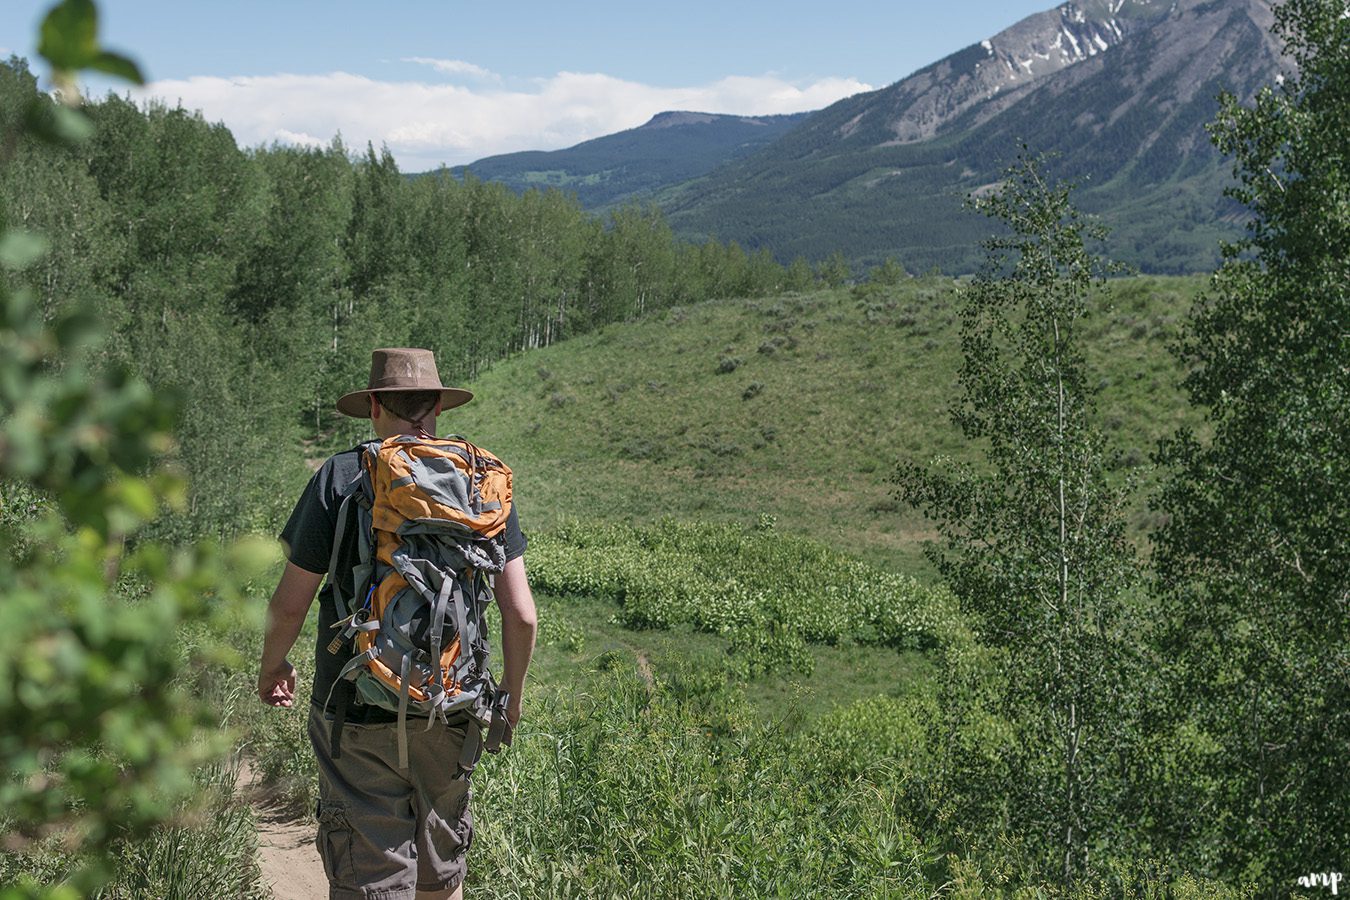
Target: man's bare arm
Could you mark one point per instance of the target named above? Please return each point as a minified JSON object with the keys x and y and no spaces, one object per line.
{"x":519,"y":623}
{"x":285,"y":617}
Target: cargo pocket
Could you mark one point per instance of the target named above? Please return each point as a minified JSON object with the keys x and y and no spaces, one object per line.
{"x":448,"y":822}
{"x":335,"y":842}
{"x":463,"y":806}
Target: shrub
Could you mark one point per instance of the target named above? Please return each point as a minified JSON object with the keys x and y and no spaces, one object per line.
{"x":725,"y":579}
{"x":554,"y":632}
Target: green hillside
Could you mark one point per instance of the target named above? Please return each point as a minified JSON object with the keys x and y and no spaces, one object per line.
{"x":796,"y":406}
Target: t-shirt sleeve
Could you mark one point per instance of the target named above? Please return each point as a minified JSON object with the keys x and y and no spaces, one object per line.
{"x":308,"y":535}
{"x":516,"y":541}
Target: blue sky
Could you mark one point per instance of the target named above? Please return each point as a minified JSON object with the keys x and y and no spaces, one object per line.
{"x":453,"y":81}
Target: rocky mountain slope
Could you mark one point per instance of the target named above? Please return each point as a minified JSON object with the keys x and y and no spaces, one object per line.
{"x":1120,"y":89}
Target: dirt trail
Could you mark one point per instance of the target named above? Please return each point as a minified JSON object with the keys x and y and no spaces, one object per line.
{"x":290,"y":864}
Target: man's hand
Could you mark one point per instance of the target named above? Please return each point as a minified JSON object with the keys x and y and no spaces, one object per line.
{"x":513,"y":711}
{"x":285,"y":616}
{"x":277,"y":687}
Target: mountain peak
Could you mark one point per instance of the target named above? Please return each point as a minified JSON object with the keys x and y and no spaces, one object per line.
{"x":671,"y":148}
{"x":677,"y":118}
{"x":673,"y":118}
{"x":1119,"y":90}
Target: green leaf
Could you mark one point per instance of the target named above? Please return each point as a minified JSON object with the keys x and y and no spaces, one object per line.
{"x":118,"y":66}
{"x":56,"y":124}
{"x":20,"y":249}
{"x":136,"y":496}
{"x":69,"y":35}
{"x":252,"y":556}
{"x":70,"y":125}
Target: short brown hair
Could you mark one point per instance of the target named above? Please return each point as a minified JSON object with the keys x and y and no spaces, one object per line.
{"x":410,"y":406}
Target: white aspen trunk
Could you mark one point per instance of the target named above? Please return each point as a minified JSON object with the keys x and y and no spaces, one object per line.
{"x":1066,"y":635}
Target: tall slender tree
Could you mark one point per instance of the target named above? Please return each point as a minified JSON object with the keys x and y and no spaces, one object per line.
{"x":1033,"y":539}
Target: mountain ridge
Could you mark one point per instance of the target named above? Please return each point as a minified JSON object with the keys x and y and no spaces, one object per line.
{"x":672,"y":147}
{"x":1116,"y":92}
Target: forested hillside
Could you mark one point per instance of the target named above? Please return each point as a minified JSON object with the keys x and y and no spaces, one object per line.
{"x":253,"y":283}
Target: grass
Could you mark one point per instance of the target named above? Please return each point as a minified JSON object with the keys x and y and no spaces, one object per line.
{"x":640,"y":764}
{"x":846,"y":673}
{"x":209,"y":849}
{"x":797,"y":406}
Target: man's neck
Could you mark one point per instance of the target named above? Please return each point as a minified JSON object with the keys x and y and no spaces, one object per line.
{"x":400,"y":429}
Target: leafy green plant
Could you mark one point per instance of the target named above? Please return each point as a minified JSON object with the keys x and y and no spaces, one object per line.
{"x":628,"y":783}
{"x":554,"y":632}
{"x":770,"y":592}
{"x":102,"y":736}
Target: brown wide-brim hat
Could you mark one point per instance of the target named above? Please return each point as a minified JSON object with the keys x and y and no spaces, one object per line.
{"x":401,"y":369}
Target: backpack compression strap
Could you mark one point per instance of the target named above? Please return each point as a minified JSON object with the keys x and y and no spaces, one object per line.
{"x":499,"y":732}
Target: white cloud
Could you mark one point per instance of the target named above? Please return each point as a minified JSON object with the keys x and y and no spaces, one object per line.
{"x":426,"y":125}
{"x":299,"y":137}
{"x":454,"y":67}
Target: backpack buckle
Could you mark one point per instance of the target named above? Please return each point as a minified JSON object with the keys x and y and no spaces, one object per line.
{"x":350,"y":626}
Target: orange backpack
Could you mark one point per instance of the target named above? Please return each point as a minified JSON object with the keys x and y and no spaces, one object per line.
{"x":432,"y":519}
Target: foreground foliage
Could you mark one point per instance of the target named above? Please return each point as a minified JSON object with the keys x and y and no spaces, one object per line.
{"x":102,"y":736}
{"x":676,"y":786}
{"x":631,"y":785}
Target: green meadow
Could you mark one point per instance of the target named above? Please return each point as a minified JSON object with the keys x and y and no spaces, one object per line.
{"x":797,"y":406}
{"x":709,"y":475}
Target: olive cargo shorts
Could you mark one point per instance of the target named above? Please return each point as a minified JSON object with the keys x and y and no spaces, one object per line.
{"x":383,"y":832}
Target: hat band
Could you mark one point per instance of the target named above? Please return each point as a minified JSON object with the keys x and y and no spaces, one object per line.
{"x":385,"y":384}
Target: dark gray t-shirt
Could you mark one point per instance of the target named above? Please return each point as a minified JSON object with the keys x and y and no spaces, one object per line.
{"x":308,"y":537}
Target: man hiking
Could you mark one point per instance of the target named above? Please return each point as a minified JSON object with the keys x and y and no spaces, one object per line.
{"x":394,"y":818}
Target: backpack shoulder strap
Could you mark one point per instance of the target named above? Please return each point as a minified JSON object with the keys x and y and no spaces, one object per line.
{"x":357,"y":497}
